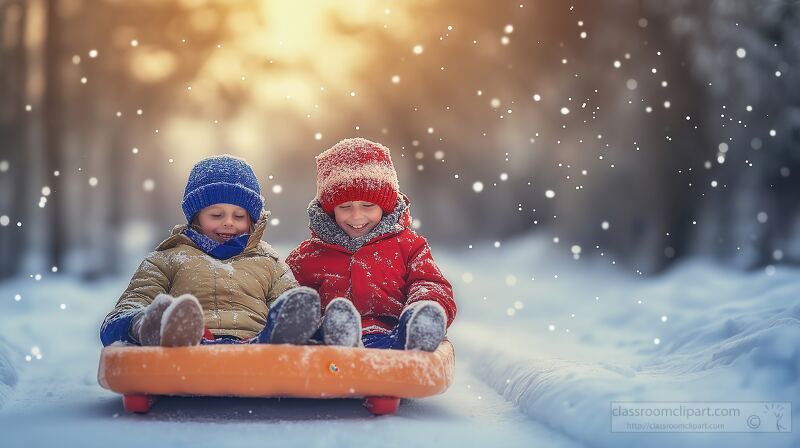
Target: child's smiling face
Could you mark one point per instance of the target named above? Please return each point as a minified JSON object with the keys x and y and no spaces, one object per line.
{"x":357,"y":218}
{"x":221,"y":222}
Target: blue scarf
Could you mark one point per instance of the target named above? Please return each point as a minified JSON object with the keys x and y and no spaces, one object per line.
{"x":220,"y":251}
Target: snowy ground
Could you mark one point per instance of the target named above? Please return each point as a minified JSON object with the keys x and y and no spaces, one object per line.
{"x":539,"y":359}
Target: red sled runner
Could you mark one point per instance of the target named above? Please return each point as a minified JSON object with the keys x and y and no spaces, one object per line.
{"x":382,"y":377}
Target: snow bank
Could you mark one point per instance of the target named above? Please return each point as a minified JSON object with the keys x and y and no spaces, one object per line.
{"x":565,"y":345}
{"x":574,"y":397}
{"x":8,"y":374}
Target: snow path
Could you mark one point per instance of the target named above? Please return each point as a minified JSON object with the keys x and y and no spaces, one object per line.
{"x":60,"y":391}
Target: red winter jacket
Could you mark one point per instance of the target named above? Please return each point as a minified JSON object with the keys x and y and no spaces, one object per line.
{"x":381,"y":273}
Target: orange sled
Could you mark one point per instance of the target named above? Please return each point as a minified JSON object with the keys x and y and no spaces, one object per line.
{"x":381,"y":377}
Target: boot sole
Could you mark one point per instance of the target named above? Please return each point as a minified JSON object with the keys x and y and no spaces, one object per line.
{"x":150,"y":327}
{"x":341,"y":324}
{"x":182,"y":323}
{"x":425,"y":329}
{"x":298,"y":319}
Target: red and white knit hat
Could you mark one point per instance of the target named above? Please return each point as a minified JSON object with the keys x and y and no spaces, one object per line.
{"x":356,"y":169}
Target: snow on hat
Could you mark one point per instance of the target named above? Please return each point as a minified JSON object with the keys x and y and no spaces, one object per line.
{"x":356,"y":169}
{"x":222,"y":179}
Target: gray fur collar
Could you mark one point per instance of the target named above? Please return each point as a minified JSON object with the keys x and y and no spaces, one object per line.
{"x":325,"y":228}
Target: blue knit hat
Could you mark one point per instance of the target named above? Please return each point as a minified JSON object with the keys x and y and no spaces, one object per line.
{"x":222,"y":179}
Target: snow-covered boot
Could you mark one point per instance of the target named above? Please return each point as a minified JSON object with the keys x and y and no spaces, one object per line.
{"x":341,"y":324}
{"x":182,"y":323}
{"x":293,"y":318}
{"x":426,"y":327}
{"x":146,"y":327}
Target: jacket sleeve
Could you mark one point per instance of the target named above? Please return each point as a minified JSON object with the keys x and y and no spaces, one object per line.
{"x":426,"y":282}
{"x":298,"y":262}
{"x":153,"y":277}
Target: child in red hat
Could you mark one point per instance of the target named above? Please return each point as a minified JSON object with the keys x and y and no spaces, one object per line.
{"x":377,"y":280}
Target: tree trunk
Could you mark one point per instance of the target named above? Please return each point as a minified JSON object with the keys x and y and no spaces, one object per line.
{"x":12,"y":131}
{"x":53,"y":137}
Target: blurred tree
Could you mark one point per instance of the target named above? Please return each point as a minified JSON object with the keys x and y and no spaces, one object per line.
{"x":12,"y":131}
{"x":745,"y":54}
{"x":53,"y":126}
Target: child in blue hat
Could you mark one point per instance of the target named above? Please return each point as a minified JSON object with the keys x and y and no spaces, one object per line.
{"x":214,"y":280}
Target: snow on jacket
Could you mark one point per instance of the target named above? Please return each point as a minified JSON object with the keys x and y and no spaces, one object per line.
{"x":381,"y":272}
{"x":235,"y":293}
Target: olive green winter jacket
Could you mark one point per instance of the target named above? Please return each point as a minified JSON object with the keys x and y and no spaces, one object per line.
{"x":235,"y":293}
